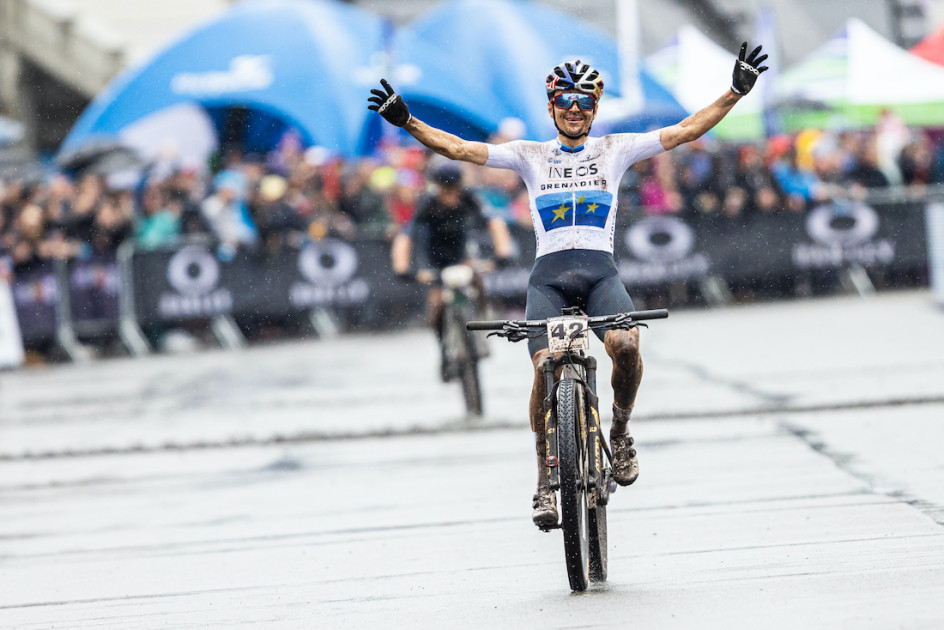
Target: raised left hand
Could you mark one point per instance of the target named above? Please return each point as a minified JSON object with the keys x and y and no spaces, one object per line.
{"x":746,"y":70}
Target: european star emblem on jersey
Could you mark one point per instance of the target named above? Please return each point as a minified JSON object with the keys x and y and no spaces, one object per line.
{"x":560,"y":213}
{"x":591,"y":209}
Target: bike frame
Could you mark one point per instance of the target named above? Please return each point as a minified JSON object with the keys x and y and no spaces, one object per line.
{"x":459,"y":295}
{"x":586,"y":377}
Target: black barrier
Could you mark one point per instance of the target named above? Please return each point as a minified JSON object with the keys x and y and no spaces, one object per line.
{"x":656,"y":251}
{"x":36,"y":300}
{"x":193,"y":283}
{"x":891,"y":237}
{"x":509,"y":285}
{"x":886,"y":237}
{"x":94,"y":292}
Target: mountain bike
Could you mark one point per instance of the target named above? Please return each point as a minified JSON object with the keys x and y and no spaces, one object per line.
{"x":575,"y":443}
{"x":460,"y":348}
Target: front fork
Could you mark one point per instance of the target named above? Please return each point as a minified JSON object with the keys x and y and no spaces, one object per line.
{"x":596,"y":444}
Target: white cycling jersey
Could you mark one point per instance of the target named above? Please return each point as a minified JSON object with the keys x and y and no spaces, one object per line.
{"x":574,"y":192}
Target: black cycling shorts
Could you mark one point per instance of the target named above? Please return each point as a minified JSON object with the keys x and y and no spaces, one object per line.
{"x":575,"y":277}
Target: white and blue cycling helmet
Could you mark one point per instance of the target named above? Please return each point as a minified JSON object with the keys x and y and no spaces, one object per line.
{"x":574,"y":75}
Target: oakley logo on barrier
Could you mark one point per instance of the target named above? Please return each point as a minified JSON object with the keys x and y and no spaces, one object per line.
{"x":194,"y":274}
{"x":328,"y":268}
{"x":193,"y":271}
{"x":328,"y":262}
{"x":835,"y":224}
{"x":661,"y":239}
{"x":843,"y":233}
{"x":662,"y":250}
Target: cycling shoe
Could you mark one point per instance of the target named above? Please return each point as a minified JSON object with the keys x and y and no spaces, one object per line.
{"x":545,"y":508}
{"x":625,"y":466}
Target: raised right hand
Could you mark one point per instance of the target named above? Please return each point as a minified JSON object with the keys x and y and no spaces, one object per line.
{"x":746,"y":70}
{"x":389,"y":105}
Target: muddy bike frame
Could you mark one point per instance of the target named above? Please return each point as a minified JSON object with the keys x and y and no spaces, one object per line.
{"x":575,"y":443}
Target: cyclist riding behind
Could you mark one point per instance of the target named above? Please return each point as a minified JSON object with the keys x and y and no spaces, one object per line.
{"x":573,"y":182}
{"x":444,"y":222}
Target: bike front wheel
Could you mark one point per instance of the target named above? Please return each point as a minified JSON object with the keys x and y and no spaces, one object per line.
{"x":597,"y":508}
{"x":572,"y":456}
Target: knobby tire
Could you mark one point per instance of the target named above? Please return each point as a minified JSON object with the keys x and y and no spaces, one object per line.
{"x":597,"y":527}
{"x":471,"y":389}
{"x":597,"y":511}
{"x":468,"y":363}
{"x":573,"y":486}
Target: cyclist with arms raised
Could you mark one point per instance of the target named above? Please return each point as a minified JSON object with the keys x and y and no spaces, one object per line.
{"x":573,"y":182}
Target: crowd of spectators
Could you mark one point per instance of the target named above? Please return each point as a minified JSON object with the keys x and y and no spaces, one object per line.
{"x":786,"y":173}
{"x":294,"y":194}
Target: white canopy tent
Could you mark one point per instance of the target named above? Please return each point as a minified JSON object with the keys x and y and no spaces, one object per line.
{"x":858,"y":73}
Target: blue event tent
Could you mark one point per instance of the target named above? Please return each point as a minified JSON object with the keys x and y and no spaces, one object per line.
{"x":499,"y":52}
{"x":310,"y":64}
{"x":303,"y":63}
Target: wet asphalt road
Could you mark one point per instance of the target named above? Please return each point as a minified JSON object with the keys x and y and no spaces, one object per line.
{"x":791,"y":477}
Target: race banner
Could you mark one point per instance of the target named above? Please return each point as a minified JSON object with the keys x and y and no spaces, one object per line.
{"x":831,"y":236}
{"x":662,"y":249}
{"x":842,"y":233}
{"x":194,"y":283}
{"x":653,"y":251}
{"x":94,"y":289}
{"x":509,"y":285}
{"x":36,"y":300}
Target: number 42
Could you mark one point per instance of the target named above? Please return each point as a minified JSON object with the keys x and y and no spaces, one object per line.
{"x":573,"y":330}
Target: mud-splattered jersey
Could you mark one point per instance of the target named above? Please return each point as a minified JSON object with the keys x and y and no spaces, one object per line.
{"x":574,"y":192}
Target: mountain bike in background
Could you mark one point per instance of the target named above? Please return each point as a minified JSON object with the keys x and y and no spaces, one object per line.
{"x":460,"y":348}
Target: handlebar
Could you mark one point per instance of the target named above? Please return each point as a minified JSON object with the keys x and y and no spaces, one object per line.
{"x":622,"y":318}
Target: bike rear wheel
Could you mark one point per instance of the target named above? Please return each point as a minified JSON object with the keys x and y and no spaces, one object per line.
{"x":572,"y":457}
{"x":597,"y":510}
{"x":471,"y":388}
{"x":597,"y":526}
{"x":468,"y":362}
{"x":462,"y":357}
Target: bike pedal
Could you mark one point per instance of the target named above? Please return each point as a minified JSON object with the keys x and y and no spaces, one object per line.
{"x":608,"y":487}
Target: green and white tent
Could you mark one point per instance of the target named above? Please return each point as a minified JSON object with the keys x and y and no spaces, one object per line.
{"x":853,"y":77}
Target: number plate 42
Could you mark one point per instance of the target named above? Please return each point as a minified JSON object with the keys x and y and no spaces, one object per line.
{"x":567,"y":333}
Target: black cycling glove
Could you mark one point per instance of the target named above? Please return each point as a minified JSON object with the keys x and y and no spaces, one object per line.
{"x":746,"y":70}
{"x":389,"y":105}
